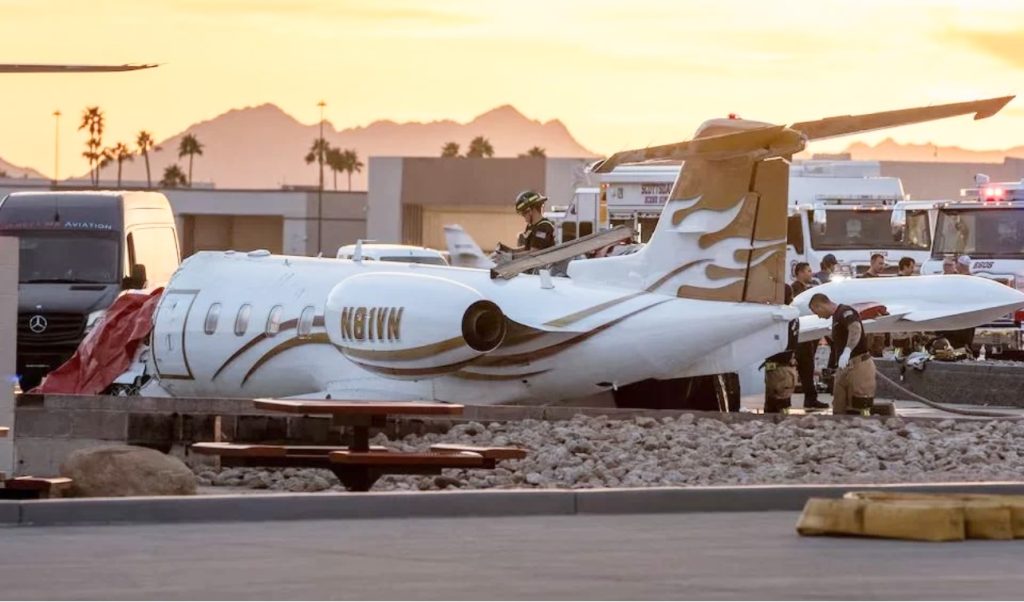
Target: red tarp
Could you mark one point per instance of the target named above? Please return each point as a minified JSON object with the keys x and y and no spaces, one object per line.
{"x":108,"y":349}
{"x":870,"y":310}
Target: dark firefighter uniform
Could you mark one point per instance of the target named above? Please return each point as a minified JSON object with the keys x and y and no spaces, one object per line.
{"x":804,"y":356}
{"x":538,"y":235}
{"x":854,"y":389}
{"x":780,"y":373}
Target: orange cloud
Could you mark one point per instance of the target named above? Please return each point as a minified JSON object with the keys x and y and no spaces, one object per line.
{"x":1006,"y":45}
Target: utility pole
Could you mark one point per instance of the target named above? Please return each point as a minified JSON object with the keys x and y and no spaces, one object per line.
{"x":320,"y":188}
{"x":56,"y":147}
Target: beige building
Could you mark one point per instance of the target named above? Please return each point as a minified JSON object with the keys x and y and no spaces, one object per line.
{"x":931,"y":181}
{"x":292,"y":222}
{"x":281,"y":221}
{"x":412,"y":198}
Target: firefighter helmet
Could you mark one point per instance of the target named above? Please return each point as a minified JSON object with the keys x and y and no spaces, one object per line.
{"x":529,"y":199}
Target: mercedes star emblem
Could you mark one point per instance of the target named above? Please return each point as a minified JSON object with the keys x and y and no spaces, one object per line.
{"x":37,"y":324}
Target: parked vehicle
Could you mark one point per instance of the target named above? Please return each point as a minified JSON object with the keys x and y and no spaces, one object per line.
{"x":78,"y":252}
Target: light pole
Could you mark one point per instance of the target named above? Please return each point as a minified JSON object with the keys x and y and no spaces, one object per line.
{"x":56,"y":147}
{"x":320,"y":189}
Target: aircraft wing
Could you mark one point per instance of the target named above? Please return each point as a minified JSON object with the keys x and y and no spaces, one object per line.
{"x":916,"y":304}
{"x":17,"y":68}
{"x":813,"y":328}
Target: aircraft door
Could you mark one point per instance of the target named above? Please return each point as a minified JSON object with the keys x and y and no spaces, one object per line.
{"x":169,"y":329}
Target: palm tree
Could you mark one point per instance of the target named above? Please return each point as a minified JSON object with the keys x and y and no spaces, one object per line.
{"x":173,"y":177}
{"x":318,"y":152}
{"x":352,"y":164}
{"x":92,"y":154}
{"x":121,"y":154}
{"x":534,"y":152}
{"x":480,"y":147}
{"x":450,"y":150}
{"x":190,"y":146}
{"x":335,"y":160}
{"x":92,"y":120}
{"x":106,"y":157}
{"x":146,"y":143}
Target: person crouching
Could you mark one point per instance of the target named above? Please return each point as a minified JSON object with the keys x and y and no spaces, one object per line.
{"x":854,"y":388}
{"x":780,"y":373}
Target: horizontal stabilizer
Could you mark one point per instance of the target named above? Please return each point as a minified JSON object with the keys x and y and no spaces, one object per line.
{"x":851,"y":124}
{"x":721,"y":145}
{"x":779,"y":141}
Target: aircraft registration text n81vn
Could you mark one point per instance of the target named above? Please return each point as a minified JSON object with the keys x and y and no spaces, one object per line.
{"x":371,"y":323}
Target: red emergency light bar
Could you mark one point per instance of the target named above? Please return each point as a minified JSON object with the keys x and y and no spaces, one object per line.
{"x":993,"y":193}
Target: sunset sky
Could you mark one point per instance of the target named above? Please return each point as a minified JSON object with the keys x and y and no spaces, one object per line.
{"x":619,"y":74}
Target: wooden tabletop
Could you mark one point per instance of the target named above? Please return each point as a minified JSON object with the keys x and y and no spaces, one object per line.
{"x":359,"y":408}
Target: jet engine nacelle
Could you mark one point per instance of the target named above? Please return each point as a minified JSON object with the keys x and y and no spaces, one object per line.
{"x":411,"y":325}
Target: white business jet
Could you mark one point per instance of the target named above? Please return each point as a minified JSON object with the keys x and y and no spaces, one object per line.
{"x":704,"y":296}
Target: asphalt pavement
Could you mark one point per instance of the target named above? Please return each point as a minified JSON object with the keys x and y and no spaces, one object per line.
{"x":665,"y":556}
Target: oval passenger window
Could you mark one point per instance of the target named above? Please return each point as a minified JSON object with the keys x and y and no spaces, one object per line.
{"x":305,"y":326}
{"x":274,"y":320}
{"x":242,"y":319}
{"x":210,"y":325}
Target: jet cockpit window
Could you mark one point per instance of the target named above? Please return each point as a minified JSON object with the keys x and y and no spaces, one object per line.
{"x":274,"y":320}
{"x":305,"y":326}
{"x":210,"y":325}
{"x":242,"y":319}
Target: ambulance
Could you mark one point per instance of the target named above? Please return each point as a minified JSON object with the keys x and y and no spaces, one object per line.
{"x":987,"y":225}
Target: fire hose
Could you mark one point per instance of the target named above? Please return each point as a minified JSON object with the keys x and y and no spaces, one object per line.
{"x":942,"y":408}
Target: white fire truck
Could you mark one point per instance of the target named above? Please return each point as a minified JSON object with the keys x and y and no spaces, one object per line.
{"x":987,"y":225}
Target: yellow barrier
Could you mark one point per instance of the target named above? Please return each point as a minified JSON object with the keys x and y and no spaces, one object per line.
{"x":915,"y":516}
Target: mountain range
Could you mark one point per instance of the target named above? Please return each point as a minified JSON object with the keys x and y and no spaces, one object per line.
{"x":264,"y":147}
{"x":890,"y":150}
{"x":9,"y":170}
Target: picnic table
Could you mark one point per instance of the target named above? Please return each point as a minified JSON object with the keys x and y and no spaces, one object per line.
{"x":29,"y":488}
{"x":359,"y":465}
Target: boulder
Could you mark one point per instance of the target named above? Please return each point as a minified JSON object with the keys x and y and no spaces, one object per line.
{"x":124,"y":470}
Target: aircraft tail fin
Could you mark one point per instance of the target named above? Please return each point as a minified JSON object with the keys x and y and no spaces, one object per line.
{"x":463,"y":250}
{"x":722,"y":233}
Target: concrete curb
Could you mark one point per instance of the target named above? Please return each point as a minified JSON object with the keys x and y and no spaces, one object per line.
{"x":319,"y":506}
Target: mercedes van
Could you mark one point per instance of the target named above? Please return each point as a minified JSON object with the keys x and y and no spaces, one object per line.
{"x":78,"y":252}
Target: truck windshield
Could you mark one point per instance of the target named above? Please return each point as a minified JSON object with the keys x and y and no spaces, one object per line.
{"x":65,"y":256}
{"x":991,"y":233}
{"x":850,"y":229}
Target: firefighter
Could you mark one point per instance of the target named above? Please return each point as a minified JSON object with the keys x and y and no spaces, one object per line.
{"x":876,"y":267}
{"x":540,"y":231}
{"x":854,"y":388}
{"x":906,"y":267}
{"x":805,"y":351}
{"x":780,"y":374}
{"x":828,"y":267}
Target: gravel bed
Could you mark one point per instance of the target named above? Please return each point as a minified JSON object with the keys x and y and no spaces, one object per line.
{"x":588,"y":452}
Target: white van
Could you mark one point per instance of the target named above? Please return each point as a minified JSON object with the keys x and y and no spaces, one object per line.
{"x":399,"y":253}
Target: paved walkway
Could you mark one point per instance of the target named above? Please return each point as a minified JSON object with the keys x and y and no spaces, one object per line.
{"x":711,"y":556}
{"x":755,"y":403}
